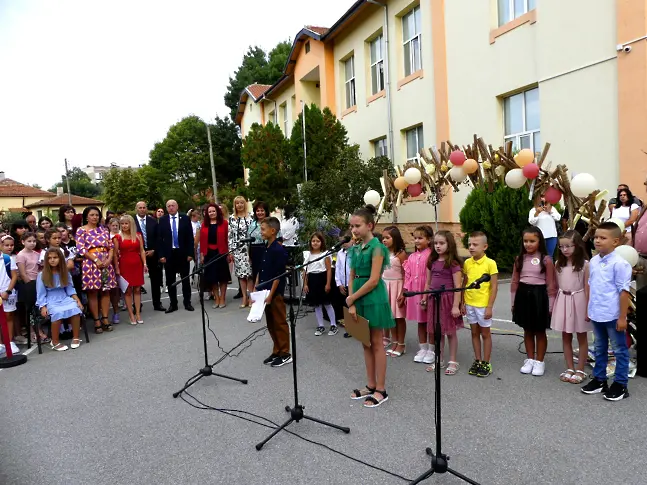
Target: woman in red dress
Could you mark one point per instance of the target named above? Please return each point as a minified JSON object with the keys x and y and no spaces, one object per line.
{"x":131,"y":265}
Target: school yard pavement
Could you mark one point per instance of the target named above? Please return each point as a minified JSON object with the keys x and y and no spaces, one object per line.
{"x":104,"y":414}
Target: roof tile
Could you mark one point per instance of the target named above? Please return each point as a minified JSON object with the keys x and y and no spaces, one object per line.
{"x":64,"y":199}
{"x":11,"y":188}
{"x":257,"y":90}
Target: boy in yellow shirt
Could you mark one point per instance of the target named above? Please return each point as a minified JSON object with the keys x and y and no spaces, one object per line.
{"x":478,"y":303}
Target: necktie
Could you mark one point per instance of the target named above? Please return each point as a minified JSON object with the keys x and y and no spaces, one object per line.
{"x":174,"y":231}
{"x":142,"y":225}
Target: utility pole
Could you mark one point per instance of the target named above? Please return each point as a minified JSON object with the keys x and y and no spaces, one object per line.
{"x":67,"y":179}
{"x":213,"y":167}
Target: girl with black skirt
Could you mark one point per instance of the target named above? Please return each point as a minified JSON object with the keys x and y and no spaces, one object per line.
{"x":213,"y":240}
{"x":533,"y":289}
{"x":317,"y":282}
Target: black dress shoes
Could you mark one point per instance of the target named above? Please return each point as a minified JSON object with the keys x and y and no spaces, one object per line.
{"x":188,"y":307}
{"x":171,"y":309}
{"x":159,"y":308}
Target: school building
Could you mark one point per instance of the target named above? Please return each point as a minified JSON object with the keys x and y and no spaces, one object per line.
{"x":402,"y":75}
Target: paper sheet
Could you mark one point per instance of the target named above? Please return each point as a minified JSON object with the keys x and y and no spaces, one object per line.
{"x":258,"y":307}
{"x":123,"y":284}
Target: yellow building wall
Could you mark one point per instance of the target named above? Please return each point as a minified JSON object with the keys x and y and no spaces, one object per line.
{"x":7,"y":203}
{"x":253,"y":114}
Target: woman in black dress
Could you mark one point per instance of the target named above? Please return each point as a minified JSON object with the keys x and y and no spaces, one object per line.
{"x":213,"y":240}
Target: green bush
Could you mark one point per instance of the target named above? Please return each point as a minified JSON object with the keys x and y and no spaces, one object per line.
{"x":502,"y":215}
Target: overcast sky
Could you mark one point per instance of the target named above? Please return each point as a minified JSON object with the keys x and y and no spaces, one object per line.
{"x":101,"y":82}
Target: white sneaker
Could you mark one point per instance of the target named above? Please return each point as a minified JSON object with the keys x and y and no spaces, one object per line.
{"x":14,"y":348}
{"x":528,"y":365}
{"x":420,"y":356}
{"x":429,"y":357}
{"x":538,"y":368}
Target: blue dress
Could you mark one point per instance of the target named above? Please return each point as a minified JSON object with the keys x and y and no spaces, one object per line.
{"x":58,"y":300}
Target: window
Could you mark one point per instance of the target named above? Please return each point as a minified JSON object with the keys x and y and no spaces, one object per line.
{"x":521,"y":113}
{"x":511,"y":9}
{"x":307,"y":47}
{"x":411,"y":32}
{"x":377,"y":65}
{"x":284,"y":113}
{"x":251,"y":105}
{"x":271,"y":118}
{"x":380,"y":148}
{"x":415,"y":142}
{"x":350,"y":82}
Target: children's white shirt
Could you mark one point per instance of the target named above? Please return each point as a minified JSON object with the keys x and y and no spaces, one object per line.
{"x":342,"y":268}
{"x":5,"y":279}
{"x":318,"y":266}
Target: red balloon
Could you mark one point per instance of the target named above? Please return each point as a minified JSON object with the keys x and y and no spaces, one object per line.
{"x":414,"y":190}
{"x":531,"y":171}
{"x":457,"y":157}
{"x":552,"y":195}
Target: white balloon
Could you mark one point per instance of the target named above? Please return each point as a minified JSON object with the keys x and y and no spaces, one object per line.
{"x":372,"y":197}
{"x":629,"y":254}
{"x":620,"y":223}
{"x":583,"y":184}
{"x":457,"y":174}
{"x":515,"y":179}
{"x":412,"y":175}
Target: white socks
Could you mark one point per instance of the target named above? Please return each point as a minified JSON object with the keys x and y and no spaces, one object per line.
{"x":319,"y":314}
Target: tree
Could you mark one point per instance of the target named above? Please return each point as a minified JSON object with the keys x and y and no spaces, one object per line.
{"x":80,"y":184}
{"x":257,"y":67}
{"x":182,"y":158}
{"x":326,"y":139}
{"x":123,"y":188}
{"x":265,"y":153}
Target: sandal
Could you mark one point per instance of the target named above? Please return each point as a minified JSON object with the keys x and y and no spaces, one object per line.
{"x":372,"y":402}
{"x":97,"y":328}
{"x":76,"y":343}
{"x":578,"y":377}
{"x":395,"y":353}
{"x":452,"y":368}
{"x":59,"y":347}
{"x":389,"y":348}
{"x":432,"y":367}
{"x":362,"y":394}
{"x":567,"y":375}
{"x":107,"y":327}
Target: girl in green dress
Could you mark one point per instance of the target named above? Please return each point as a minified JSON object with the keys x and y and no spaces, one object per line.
{"x":368,"y":298}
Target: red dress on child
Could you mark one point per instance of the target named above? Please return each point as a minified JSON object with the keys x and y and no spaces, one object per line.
{"x":131,"y":266}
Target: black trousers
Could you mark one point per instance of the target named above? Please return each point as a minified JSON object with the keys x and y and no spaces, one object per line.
{"x":155,"y":273}
{"x":177,"y":263}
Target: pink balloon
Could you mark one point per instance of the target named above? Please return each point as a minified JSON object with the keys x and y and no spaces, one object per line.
{"x":457,"y":157}
{"x":531,"y":171}
{"x":552,"y":195}
{"x":414,"y":190}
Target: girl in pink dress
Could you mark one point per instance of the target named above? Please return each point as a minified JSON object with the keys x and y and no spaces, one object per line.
{"x":444,"y":269}
{"x":393,"y":277}
{"x":415,"y":279}
{"x":569,"y":311}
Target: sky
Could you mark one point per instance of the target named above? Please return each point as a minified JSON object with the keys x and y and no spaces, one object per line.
{"x":102,"y":82}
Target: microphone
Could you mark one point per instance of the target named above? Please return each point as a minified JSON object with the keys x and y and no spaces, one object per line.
{"x":246,"y":240}
{"x":477,"y":284}
{"x":409,"y":293}
{"x":338,"y":246}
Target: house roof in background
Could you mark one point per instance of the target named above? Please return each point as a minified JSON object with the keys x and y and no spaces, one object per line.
{"x":11,"y":188}
{"x":255,"y":91}
{"x":59,"y":200}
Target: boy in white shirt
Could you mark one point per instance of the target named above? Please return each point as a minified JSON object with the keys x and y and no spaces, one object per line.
{"x":342,"y":277}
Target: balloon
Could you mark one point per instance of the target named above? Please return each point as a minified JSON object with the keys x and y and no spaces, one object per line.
{"x":470,"y":166}
{"x":515,"y":179}
{"x":531,"y":171}
{"x":524,"y":157}
{"x":457,"y":157}
{"x":619,"y":222}
{"x":412,"y":175}
{"x":414,"y":190}
{"x":400,"y":183}
{"x":583,"y":184}
{"x":628,"y":253}
{"x":372,"y":197}
{"x":552,"y":195}
{"x":457,"y":174}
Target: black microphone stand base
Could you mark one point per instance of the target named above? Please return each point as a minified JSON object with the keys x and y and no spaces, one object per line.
{"x":439,"y":465}
{"x":296,"y":414}
{"x":206,"y":372}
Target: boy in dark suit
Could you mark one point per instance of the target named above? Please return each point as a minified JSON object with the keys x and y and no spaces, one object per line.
{"x":274,"y":261}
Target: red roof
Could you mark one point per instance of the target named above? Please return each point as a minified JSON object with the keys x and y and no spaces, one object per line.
{"x":11,"y":188}
{"x":64,"y":199}
{"x":257,"y":90}
{"x":318,"y":30}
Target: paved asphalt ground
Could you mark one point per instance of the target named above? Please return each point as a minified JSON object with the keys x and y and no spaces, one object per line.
{"x":103,"y":414}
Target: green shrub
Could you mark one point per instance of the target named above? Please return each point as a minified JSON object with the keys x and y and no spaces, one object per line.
{"x":502,"y":215}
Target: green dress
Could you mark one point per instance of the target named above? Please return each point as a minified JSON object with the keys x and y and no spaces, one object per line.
{"x":373,"y":306}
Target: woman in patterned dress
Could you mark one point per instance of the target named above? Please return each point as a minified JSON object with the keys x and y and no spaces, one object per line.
{"x":94,"y":244}
{"x":239,"y":223}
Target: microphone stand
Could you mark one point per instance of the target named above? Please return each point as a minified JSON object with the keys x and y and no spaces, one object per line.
{"x":439,"y":459}
{"x":207,"y":370}
{"x":296,"y":412}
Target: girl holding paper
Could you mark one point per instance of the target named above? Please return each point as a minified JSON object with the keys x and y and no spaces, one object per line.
{"x":132,"y":265}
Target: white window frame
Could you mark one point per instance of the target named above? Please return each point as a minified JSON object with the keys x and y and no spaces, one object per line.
{"x":284,"y":109}
{"x":527,"y":6}
{"x":415,"y":43}
{"x":516,"y":137}
{"x":418,"y":130}
{"x":380,"y":147}
{"x":377,"y":64}
{"x":349,"y":84}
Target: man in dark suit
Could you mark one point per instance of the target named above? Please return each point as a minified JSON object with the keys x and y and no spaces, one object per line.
{"x":147,"y":226}
{"x":175,"y":247}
